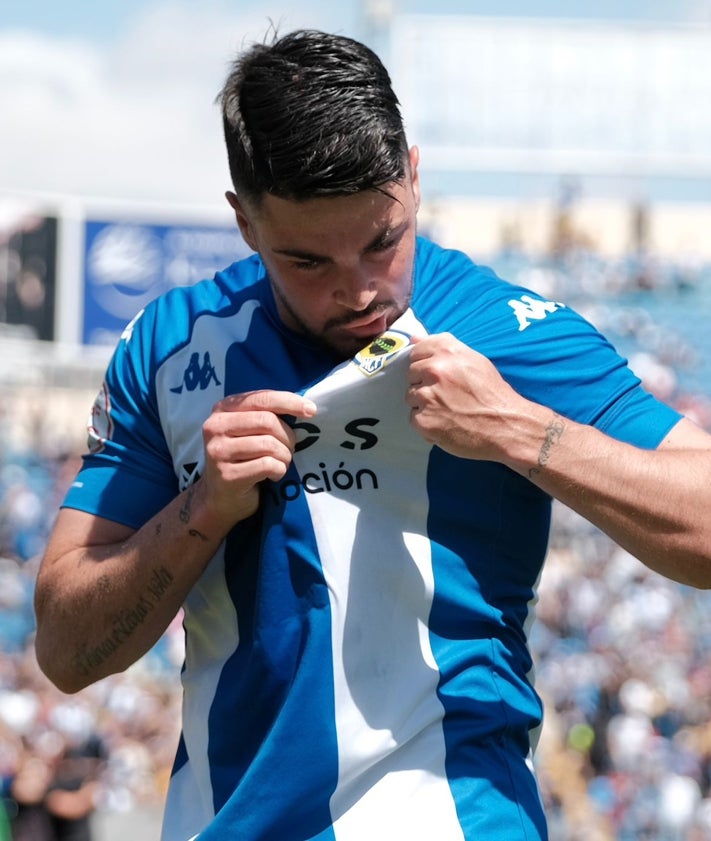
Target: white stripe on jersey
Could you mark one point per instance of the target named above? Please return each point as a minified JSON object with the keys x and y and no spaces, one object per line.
{"x":388,"y":715}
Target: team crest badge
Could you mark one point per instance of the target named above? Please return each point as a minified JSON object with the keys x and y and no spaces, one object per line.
{"x":100,"y":425}
{"x":380,"y":352}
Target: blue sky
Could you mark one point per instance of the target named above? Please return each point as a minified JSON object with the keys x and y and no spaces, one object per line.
{"x":108,"y":19}
{"x":116,"y":98}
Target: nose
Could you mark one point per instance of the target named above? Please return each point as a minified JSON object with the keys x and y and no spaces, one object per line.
{"x":356,"y":289}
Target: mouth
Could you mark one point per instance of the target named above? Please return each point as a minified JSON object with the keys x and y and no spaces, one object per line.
{"x":371,"y":325}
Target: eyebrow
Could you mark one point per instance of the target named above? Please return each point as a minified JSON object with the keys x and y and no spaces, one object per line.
{"x":298,"y":254}
{"x":312,"y":256}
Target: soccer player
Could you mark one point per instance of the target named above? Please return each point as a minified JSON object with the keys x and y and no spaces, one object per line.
{"x":338,"y":456}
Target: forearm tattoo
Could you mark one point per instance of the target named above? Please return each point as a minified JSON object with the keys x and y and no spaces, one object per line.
{"x":126,"y":622}
{"x":554,"y":432}
{"x":186,"y":507}
{"x":186,"y":512}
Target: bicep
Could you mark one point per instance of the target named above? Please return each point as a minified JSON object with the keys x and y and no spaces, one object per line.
{"x":74,"y":536}
{"x":686,"y":435}
{"x":74,"y":529}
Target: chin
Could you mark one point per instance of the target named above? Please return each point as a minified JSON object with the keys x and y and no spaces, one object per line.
{"x":346,"y":347}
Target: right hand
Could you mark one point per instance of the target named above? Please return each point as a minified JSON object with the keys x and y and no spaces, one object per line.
{"x":247,"y":441}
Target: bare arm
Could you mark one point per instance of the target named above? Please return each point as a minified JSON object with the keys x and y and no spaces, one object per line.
{"x":106,"y":593}
{"x":73,"y":805}
{"x":654,"y":504}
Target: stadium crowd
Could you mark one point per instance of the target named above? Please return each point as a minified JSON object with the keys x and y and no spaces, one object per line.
{"x":622,"y":654}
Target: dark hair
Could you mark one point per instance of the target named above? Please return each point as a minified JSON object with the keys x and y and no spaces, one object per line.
{"x":311,"y":114}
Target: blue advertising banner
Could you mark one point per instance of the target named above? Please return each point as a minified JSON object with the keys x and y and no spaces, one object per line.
{"x":128,"y":264}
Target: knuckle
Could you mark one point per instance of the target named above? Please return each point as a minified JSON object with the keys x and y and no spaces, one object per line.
{"x":214,"y":450}
{"x":268,"y":423}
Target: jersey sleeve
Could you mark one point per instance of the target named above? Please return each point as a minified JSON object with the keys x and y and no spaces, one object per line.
{"x":543,"y":349}
{"x":552,"y":355}
{"x":127,"y":474}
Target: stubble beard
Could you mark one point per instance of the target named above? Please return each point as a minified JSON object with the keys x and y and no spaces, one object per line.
{"x":329,"y":338}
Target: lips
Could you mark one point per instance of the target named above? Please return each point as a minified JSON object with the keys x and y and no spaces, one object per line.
{"x":370,"y":326}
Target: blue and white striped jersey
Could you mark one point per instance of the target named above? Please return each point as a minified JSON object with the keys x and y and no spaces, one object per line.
{"x":356,"y":653}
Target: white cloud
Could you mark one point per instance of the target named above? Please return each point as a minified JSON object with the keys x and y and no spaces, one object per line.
{"x":135,"y":119}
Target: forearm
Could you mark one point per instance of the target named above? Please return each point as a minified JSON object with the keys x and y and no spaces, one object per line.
{"x":72,"y":805}
{"x":105,"y":593}
{"x":652,"y":503}
{"x":102,"y":606}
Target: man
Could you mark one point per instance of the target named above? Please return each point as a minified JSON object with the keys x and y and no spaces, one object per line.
{"x":353,"y":503}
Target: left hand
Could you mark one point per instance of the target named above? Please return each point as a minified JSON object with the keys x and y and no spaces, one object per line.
{"x":460,"y":402}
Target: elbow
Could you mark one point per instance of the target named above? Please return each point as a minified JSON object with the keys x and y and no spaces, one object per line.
{"x":700,"y":576}
{"x":67,"y":686}
{"x":64,"y":659}
{"x":53,"y":652}
{"x":697,"y":567}
{"x":53,"y":665}
{"x":53,"y":647}
{"x":692,"y":568}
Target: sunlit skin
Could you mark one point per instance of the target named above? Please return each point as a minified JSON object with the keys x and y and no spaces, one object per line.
{"x":340,"y":267}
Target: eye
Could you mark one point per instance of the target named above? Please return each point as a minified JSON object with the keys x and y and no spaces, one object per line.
{"x":305,"y":265}
{"x":383,"y":245}
{"x":390,"y":240}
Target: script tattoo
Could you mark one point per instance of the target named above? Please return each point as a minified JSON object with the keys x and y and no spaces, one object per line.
{"x":185,"y":509}
{"x":186,"y":512}
{"x":125,"y":623}
{"x":554,"y":432}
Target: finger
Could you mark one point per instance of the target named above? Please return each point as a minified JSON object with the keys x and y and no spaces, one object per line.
{"x":425,"y":347}
{"x":415,"y":375}
{"x":235,"y":450}
{"x":421,"y":365}
{"x":253,"y":471}
{"x":412,"y":396}
{"x":236,"y":424}
{"x":277,"y":402}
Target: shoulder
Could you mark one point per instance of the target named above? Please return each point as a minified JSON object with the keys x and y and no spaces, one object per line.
{"x":453,"y":293}
{"x":218,"y":294}
{"x":438,"y":268}
{"x":168,"y":322}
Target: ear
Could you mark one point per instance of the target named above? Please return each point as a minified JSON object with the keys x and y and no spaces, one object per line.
{"x":415,"y":175}
{"x":243,"y":222}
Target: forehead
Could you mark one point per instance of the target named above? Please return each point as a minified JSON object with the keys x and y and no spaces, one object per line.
{"x":328,"y":221}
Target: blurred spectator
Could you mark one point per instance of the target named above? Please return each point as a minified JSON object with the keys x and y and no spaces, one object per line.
{"x":25,"y":793}
{"x":73,"y":793}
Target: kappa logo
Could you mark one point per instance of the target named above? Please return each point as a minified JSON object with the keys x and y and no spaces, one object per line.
{"x":527,"y":309}
{"x":197,"y":375}
{"x":189,"y":474}
{"x":380,"y":352}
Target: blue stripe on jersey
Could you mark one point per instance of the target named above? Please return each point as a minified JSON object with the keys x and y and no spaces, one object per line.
{"x":485,"y":567}
{"x":276,"y":691}
{"x":273,"y":712}
{"x":486,"y":555}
